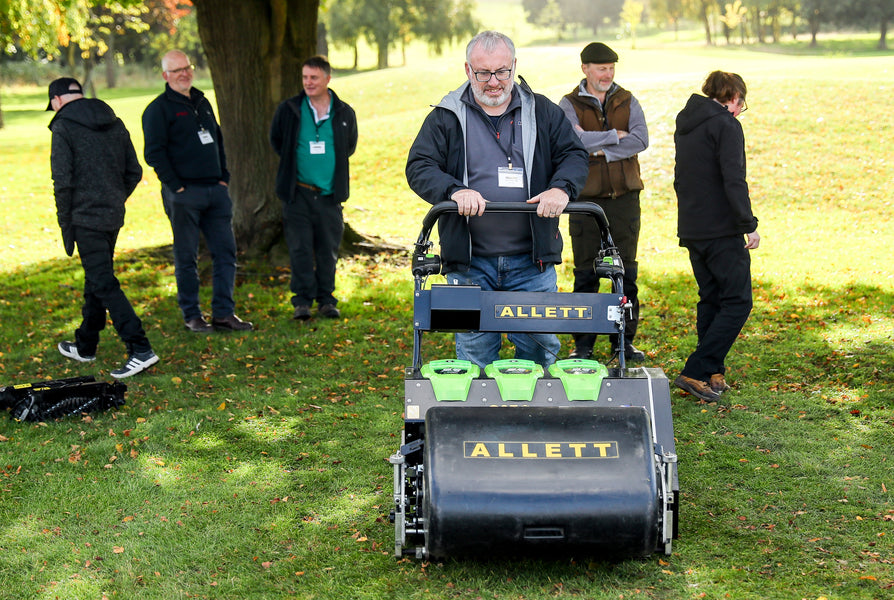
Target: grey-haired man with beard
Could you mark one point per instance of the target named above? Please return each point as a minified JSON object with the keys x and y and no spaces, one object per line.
{"x":493,"y":140}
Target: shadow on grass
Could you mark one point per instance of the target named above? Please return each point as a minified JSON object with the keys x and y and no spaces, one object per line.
{"x":270,"y":447}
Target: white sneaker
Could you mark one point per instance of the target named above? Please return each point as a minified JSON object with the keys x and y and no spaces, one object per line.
{"x":136,"y":364}
{"x":70,"y":350}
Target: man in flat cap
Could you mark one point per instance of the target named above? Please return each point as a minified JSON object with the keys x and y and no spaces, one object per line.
{"x":95,"y":169}
{"x":611,"y":125}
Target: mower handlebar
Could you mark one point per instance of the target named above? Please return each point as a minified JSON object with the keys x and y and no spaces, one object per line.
{"x":577,"y":207}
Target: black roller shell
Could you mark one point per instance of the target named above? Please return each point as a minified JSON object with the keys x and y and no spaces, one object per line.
{"x":503,"y":506}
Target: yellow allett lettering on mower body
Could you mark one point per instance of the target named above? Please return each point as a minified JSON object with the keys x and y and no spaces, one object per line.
{"x":542,"y":311}
{"x":535,"y":450}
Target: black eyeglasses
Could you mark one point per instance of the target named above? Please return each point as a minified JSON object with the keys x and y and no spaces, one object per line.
{"x":744,"y":106}
{"x":501,"y":75}
{"x":182,"y":69}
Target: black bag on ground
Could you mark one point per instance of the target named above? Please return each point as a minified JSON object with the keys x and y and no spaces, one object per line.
{"x":48,"y":400}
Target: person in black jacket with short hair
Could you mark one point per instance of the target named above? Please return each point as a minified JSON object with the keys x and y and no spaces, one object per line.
{"x":95,"y":169}
{"x":714,"y":213}
{"x":492,"y":140}
{"x":184,"y":145}
{"x":314,"y":134}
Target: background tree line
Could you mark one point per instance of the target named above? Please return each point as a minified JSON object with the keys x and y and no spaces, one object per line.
{"x":254,"y":49}
{"x":760,"y":21}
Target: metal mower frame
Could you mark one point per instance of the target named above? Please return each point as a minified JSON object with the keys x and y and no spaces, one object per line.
{"x":422,"y":528}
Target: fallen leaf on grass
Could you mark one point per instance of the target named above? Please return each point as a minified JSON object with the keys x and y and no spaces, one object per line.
{"x":117,"y":549}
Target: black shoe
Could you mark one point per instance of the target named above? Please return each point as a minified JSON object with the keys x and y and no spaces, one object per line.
{"x":329,"y":311}
{"x":302,"y":313}
{"x":199,"y":325}
{"x":581,"y":352}
{"x":633,"y":354}
{"x":137,"y":363}
{"x":231,"y":323}
{"x":70,"y":350}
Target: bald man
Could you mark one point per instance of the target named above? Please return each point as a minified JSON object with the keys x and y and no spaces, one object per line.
{"x":185,"y":147}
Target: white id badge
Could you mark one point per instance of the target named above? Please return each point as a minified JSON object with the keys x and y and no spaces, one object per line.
{"x":318,"y":147}
{"x":511,"y":178}
{"x":205,"y":137}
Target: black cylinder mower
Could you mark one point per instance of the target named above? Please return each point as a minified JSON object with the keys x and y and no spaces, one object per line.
{"x":511,"y":460}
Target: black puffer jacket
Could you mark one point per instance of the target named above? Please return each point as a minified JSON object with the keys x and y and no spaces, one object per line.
{"x":94,"y":165}
{"x":709,"y":175}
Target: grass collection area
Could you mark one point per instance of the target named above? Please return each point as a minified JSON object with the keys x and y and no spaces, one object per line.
{"x":254,"y":465}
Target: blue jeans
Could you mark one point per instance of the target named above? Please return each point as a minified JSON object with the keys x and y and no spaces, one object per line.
{"x":205,"y":209}
{"x":506,"y":273}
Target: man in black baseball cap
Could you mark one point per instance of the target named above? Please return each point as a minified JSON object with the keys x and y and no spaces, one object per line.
{"x":95,"y":168}
{"x":62,"y":87}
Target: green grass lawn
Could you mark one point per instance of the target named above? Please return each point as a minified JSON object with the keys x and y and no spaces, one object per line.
{"x":254,"y":466}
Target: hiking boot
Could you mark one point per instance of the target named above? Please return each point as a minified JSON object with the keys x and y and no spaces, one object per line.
{"x":302,"y":313}
{"x":699,"y":389}
{"x":70,"y":350}
{"x":137,"y":363}
{"x":718,"y":383}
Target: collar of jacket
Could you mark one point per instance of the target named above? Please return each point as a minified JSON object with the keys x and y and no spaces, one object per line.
{"x":453,"y":102}
{"x":195,"y":95}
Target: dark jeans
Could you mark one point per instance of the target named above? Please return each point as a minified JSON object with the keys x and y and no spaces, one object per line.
{"x":103,"y":292}
{"x":209,"y":210}
{"x":722,"y":269}
{"x":623,"y":215}
{"x":313,"y":226}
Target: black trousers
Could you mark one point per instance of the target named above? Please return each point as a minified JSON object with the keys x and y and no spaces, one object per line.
{"x":623,"y":215}
{"x":722,"y":269}
{"x":102,"y":293}
{"x":313,"y":225}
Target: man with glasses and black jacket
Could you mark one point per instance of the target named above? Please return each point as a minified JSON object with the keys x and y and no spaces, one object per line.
{"x":183,"y":144}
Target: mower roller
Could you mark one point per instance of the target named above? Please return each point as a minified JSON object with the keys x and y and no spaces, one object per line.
{"x":513,"y":460}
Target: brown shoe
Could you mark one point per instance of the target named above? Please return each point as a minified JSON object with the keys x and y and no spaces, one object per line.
{"x":718,"y":383}
{"x":699,"y":389}
{"x":231,"y":323}
{"x":199,"y":325}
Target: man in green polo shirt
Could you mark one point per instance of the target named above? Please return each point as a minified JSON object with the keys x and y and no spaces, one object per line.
{"x":314,"y":134}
